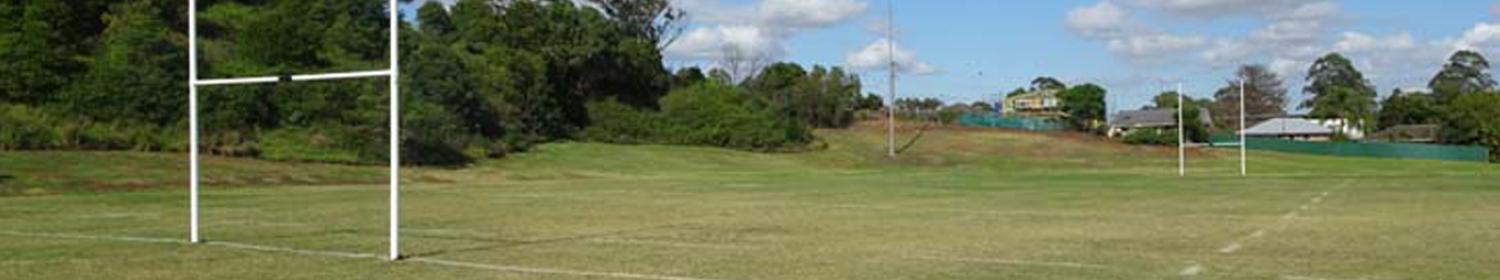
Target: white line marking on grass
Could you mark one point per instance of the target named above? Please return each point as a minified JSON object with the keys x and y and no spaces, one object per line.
{"x":503,"y":268}
{"x":1013,"y":262}
{"x":671,"y":244}
{"x":1237,"y":244}
{"x":1191,"y":271}
{"x":93,"y":237}
{"x":293,"y":251}
{"x":348,"y":255}
{"x":1230,"y":249}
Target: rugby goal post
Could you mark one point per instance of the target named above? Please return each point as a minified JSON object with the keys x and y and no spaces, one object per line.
{"x":1182,"y":134}
{"x":395,"y":124}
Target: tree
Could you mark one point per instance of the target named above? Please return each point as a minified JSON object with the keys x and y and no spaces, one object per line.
{"x":687,"y":77}
{"x":1348,"y":104}
{"x":1085,"y":106}
{"x":1466,"y":72}
{"x":1196,"y":129}
{"x":1408,"y":108}
{"x":136,"y":73}
{"x":1265,"y":96}
{"x":1047,"y":83}
{"x":656,"y":21}
{"x":434,"y":20}
{"x":1474,"y":119}
{"x":1339,"y":91}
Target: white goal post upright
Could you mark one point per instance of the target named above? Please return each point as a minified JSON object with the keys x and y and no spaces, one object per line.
{"x":395,"y":124}
{"x":1181,"y":135}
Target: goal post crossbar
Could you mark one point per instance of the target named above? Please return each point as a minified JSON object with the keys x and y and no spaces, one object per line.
{"x":391,"y":73}
{"x":294,"y":78}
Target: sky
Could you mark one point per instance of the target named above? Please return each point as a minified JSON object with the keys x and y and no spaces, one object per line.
{"x":975,"y":50}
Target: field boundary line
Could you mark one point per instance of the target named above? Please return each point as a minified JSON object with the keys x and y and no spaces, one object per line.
{"x":1281,"y":224}
{"x":349,"y":255}
{"x":1012,"y":262}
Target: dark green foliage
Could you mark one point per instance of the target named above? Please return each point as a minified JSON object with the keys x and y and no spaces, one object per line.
{"x":1339,"y":91}
{"x":1047,"y":83}
{"x":1197,"y":130}
{"x":1408,"y":108}
{"x":1466,"y":72}
{"x":822,"y":97}
{"x":1085,"y":107}
{"x":705,"y":115}
{"x":1155,"y":137}
{"x":137,"y":72}
{"x":1475,"y":119}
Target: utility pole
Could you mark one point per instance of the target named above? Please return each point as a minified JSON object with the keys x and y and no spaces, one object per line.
{"x":890,"y":110}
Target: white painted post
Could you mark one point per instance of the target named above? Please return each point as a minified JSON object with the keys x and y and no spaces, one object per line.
{"x":1181,"y":136}
{"x":1244,"y":168}
{"x":193,"y":236}
{"x":395,"y":127}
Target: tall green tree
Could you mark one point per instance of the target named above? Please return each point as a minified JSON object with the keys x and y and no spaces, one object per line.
{"x":1047,"y":83}
{"x":1466,"y":72}
{"x":137,"y":72}
{"x":1474,"y":119}
{"x":1339,"y":90}
{"x":1196,"y":130}
{"x":1085,"y":106}
{"x":1408,"y":108}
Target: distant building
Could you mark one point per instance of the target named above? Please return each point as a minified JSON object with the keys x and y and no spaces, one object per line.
{"x":1035,"y":104}
{"x":1124,"y":122}
{"x":1291,"y":129}
{"x":1427,"y":133}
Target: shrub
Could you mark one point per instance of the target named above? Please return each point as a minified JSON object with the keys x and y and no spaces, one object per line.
{"x":724,"y":116}
{"x":704,"y":115}
{"x":24,"y":128}
{"x":614,"y":122}
{"x":1156,"y":137}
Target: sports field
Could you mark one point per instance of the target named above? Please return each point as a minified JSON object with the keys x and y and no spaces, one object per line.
{"x":959,"y":204}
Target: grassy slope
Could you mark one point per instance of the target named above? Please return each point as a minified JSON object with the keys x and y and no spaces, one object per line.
{"x":957,"y":204}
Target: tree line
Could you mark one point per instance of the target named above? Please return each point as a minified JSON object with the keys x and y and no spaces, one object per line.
{"x":479,"y":79}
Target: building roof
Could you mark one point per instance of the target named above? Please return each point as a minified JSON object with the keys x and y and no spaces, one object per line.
{"x":1153,"y":118}
{"x":1288,"y":126}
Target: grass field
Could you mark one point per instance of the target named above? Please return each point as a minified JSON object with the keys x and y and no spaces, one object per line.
{"x":959,"y":204}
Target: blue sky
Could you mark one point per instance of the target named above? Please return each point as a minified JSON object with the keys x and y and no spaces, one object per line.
{"x":970,"y":50}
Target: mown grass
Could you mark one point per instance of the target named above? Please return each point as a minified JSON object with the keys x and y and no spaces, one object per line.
{"x":959,"y":204}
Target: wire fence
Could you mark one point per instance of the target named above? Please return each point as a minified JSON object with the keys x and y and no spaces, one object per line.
{"x":1364,"y":149}
{"x":996,"y":121}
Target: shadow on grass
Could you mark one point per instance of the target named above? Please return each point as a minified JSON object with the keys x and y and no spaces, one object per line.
{"x":5,"y":178}
{"x":909,"y":143}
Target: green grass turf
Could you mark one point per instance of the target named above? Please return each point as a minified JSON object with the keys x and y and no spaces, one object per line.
{"x":959,"y":204}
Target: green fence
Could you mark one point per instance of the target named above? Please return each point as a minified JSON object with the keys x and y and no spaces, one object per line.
{"x":994,"y":121}
{"x":1373,"y":150}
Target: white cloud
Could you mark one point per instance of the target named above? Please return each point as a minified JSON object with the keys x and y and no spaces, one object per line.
{"x":877,"y":56}
{"x":1101,"y":20}
{"x":711,"y":43}
{"x":1151,"y":48}
{"x":797,"y":14}
{"x":1205,"y":9}
{"x":759,"y":29}
{"x":1480,"y":35}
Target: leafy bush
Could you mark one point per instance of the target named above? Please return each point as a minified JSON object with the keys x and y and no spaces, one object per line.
{"x":704,"y":115}
{"x":24,"y":127}
{"x":1155,"y":137}
{"x":618,"y":123}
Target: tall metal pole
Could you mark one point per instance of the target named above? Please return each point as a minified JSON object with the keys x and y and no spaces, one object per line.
{"x":193,"y":121}
{"x":1181,"y":135}
{"x":1243,"y":165}
{"x":395,"y":129}
{"x":890,"y":111}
